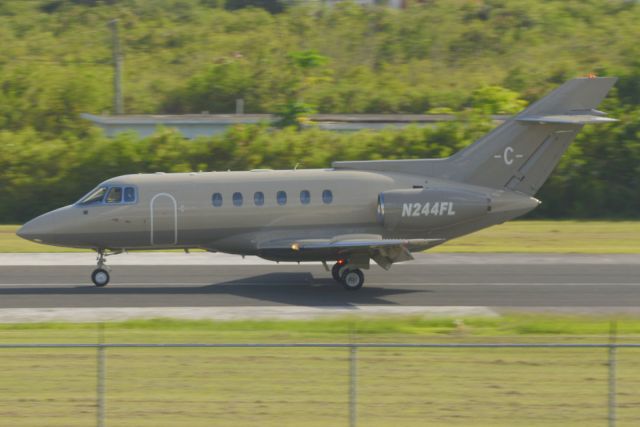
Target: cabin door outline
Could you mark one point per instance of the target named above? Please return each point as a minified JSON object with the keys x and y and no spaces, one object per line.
{"x":163,"y":215}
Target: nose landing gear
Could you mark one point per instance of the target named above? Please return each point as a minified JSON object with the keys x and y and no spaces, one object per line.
{"x":351,"y":279}
{"x":100,"y":276}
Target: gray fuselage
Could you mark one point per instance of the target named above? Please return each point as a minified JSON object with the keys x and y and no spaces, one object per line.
{"x":176,"y":211}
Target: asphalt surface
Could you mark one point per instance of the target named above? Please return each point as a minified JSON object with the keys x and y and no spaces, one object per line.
{"x":515,"y":281}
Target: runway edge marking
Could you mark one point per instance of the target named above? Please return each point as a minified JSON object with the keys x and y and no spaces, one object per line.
{"x":113,"y":314}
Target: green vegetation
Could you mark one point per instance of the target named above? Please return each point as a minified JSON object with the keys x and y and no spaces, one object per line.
{"x":188,"y":56}
{"x":274,"y":387}
{"x":598,"y":237}
{"x":39,"y":175}
{"x":505,"y":328}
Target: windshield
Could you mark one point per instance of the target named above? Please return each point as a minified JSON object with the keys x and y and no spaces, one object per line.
{"x":115,"y":195}
{"x":95,"y":196}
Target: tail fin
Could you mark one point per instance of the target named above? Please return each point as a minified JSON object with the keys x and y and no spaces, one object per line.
{"x":521,"y":153}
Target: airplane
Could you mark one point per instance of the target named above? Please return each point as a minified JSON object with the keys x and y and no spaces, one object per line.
{"x":349,"y":214}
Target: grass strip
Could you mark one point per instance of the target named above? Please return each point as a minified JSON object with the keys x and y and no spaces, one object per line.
{"x":523,"y":327}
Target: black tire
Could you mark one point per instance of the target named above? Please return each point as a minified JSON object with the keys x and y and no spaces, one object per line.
{"x":352,"y":280}
{"x":100,"y":277}
{"x":335,"y":271}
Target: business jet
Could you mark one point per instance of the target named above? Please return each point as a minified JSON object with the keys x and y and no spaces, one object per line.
{"x":347,"y":215}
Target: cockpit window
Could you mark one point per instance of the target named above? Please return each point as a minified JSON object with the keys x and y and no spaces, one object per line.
{"x":115,"y":195}
{"x":129,"y":194}
{"x":110,"y":195}
{"x":95,"y":196}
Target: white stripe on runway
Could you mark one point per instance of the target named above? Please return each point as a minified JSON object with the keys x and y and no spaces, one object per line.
{"x":31,"y":315}
{"x":267,"y":285}
{"x":213,"y":259}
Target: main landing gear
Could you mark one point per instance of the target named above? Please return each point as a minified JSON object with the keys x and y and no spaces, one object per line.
{"x":100,"y":276}
{"x":351,"y":279}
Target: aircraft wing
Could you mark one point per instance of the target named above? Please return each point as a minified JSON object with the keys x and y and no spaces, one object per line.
{"x":383,"y":251}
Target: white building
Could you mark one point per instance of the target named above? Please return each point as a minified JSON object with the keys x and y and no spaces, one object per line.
{"x":194,"y":125}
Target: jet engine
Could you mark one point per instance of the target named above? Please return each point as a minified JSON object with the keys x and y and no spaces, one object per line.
{"x":414,"y":209}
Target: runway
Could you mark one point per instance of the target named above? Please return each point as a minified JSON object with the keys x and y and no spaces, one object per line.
{"x":494,"y":281}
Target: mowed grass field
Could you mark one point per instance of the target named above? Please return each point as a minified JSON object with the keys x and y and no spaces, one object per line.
{"x":552,"y":237}
{"x":310,"y":387}
{"x":608,"y":237}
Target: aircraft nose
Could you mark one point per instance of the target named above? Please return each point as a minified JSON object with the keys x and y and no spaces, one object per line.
{"x":39,"y":229}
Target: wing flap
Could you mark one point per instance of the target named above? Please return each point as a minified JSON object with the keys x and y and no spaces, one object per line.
{"x":383,"y":251}
{"x":347,"y":244}
{"x":337,"y":243}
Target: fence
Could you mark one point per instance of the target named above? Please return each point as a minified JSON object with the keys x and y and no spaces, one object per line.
{"x":353,"y":350}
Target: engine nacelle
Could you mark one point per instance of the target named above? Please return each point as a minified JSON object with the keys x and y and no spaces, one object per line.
{"x":431,"y":207}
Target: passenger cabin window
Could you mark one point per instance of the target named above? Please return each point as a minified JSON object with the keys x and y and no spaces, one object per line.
{"x":305,"y":197}
{"x":237,"y":199}
{"x":115,"y":195}
{"x":216,"y":199}
{"x":327,"y":197}
{"x":258,"y":198}
{"x":95,"y":196}
{"x":281,"y":197}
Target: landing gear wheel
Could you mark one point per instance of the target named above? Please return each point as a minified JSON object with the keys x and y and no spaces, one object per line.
{"x":100,"y":277}
{"x":335,"y":270}
{"x":352,"y":280}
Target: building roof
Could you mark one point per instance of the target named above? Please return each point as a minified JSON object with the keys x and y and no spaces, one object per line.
{"x":181,"y":119}
{"x":169,"y":119}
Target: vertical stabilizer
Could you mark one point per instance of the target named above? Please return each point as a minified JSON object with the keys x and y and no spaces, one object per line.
{"x":521,"y":153}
